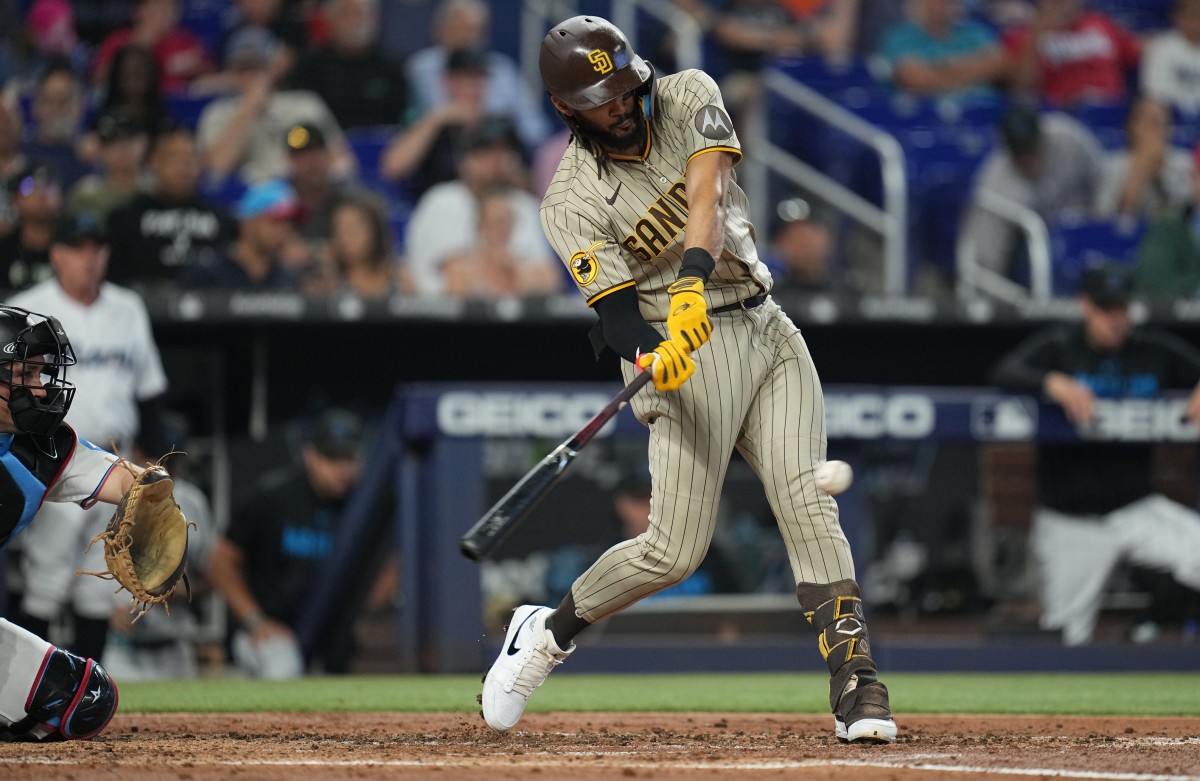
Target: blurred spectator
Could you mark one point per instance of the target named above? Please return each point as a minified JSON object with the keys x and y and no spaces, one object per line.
{"x":11,"y":159}
{"x":462,"y":25}
{"x":280,"y":19}
{"x":170,"y":227}
{"x":35,"y":197}
{"x":181,"y":56}
{"x":95,"y":20}
{"x":1149,"y":178}
{"x":360,"y":85}
{"x":241,"y":133}
{"x":1168,"y":257}
{"x":1049,"y":163}
{"x":56,"y":109}
{"x":800,"y":250}
{"x":50,"y":36}
{"x":121,"y":157}
{"x":427,"y":152}
{"x":276,"y":544}
{"x":119,"y":361}
{"x":1171,"y":62}
{"x":317,"y":186}
{"x":490,"y":269}
{"x":362,"y":249}
{"x":1096,"y":505}
{"x":446,"y":219}
{"x":546,"y":159}
{"x":132,"y":86}
{"x":939,"y":52}
{"x":1068,"y":55}
{"x":263,"y":257}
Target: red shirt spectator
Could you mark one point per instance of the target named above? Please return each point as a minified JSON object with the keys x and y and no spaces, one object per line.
{"x":1083,"y":59}
{"x":181,"y":56}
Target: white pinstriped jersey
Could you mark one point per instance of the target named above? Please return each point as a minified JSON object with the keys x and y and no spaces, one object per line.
{"x":626,"y":227}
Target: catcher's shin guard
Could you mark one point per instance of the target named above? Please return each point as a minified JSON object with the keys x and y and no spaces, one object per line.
{"x":72,"y":699}
{"x":856,"y":694}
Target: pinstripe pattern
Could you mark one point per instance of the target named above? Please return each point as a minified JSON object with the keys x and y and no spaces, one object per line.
{"x":755,"y":387}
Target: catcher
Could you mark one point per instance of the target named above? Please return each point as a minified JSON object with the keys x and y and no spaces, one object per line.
{"x":47,"y":693}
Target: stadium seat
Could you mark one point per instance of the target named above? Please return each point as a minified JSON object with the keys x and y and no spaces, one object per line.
{"x":1075,"y":246}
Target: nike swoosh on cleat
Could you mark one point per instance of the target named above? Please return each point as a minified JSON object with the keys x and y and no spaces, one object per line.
{"x":612,"y":201}
{"x":512,"y":646}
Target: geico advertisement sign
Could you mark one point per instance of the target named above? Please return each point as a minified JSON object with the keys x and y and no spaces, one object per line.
{"x":1154,"y":420}
{"x":465,"y":414}
{"x":875,"y":416}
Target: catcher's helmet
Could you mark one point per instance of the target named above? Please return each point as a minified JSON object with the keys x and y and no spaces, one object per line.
{"x":586,"y":62}
{"x":29,"y":340}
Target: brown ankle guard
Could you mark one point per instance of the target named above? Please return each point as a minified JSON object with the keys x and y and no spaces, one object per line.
{"x":835,"y":613}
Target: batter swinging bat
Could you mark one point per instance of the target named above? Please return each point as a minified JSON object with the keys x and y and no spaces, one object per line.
{"x":508,"y":513}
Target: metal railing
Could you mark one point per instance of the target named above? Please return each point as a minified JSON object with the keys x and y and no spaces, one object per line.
{"x":890,"y":221}
{"x":974,"y":278}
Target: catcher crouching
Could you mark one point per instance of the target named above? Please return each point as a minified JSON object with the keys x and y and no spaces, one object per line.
{"x":47,"y":693}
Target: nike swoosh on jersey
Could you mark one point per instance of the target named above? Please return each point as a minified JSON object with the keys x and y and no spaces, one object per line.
{"x":512,"y":646}
{"x":612,"y":201}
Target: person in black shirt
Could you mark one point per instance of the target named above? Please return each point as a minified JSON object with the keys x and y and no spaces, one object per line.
{"x":35,"y":197}
{"x":1096,"y":505}
{"x":170,"y":228}
{"x":277,"y":541}
{"x":361,"y":86}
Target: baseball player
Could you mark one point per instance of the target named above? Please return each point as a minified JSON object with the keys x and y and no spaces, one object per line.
{"x":46,"y":693}
{"x":645,"y":212}
{"x":120,"y":373}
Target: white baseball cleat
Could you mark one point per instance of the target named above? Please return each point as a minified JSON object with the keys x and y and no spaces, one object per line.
{"x":866,"y":731}
{"x":529,"y":654}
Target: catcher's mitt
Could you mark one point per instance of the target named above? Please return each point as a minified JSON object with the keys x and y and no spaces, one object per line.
{"x":145,"y":544}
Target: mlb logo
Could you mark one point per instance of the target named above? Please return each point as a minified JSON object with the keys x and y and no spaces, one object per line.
{"x":994,"y":418}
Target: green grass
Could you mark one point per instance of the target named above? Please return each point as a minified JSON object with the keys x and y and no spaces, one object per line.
{"x":1126,"y":694}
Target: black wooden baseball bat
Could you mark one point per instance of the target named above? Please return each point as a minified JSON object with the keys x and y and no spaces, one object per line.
{"x":507,"y":514}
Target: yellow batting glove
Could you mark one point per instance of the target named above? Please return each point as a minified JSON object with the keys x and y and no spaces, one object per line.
{"x":688,"y":319}
{"x":669,"y":365}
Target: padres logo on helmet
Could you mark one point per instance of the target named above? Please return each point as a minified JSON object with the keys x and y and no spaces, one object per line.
{"x":583,"y":265}
{"x":601,"y":62}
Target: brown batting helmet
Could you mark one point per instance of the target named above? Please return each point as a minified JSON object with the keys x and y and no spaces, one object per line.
{"x":586,"y":62}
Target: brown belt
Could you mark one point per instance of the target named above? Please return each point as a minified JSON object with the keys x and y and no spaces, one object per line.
{"x":745,"y":303}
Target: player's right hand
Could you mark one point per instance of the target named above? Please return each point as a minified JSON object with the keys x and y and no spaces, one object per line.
{"x":687,"y":321}
{"x":669,"y":365}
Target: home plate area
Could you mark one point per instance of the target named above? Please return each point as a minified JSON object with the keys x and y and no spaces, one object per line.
{"x":602,"y":746}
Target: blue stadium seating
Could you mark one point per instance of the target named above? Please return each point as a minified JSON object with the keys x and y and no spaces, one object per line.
{"x":1075,"y":246}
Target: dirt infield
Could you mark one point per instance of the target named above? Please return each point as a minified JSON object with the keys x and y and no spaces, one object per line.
{"x":606,"y":746}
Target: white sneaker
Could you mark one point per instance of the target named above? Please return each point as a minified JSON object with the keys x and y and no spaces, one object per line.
{"x":529,"y":654}
{"x":866,"y":731}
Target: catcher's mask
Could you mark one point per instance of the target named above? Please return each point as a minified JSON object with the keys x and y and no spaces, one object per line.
{"x":34,"y":356}
{"x":586,"y":61}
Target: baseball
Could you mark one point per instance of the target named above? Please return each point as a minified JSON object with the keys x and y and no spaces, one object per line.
{"x":833,"y":477}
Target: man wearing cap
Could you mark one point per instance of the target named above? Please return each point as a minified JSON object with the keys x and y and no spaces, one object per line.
{"x":1096,"y":505}
{"x":1050,"y":163}
{"x":258,"y":259}
{"x":122,"y":149}
{"x":120,"y":387}
{"x":241,"y":133}
{"x":34,"y":196}
{"x":170,"y":226}
{"x":318,"y":188}
{"x":276,"y":543}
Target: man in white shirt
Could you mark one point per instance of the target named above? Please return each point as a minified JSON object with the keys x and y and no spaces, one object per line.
{"x":1171,"y":62}
{"x":119,"y":370}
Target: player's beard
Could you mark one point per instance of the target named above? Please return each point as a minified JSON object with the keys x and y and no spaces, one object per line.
{"x":629,"y":142}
